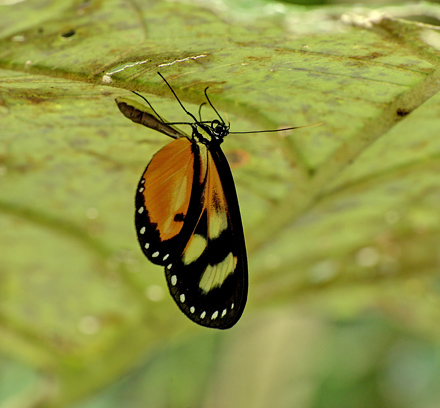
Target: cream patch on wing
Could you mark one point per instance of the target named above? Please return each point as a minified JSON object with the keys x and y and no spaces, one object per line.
{"x":217,"y":223}
{"x":194,"y":249}
{"x":215,"y":275}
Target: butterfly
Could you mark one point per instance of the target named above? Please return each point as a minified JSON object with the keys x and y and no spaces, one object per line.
{"x":187,"y":216}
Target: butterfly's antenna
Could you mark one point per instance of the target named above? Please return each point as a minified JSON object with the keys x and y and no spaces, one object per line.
{"x":200,"y":111}
{"x":278,"y":130}
{"x":212,"y":106}
{"x":178,"y":100}
{"x":149,"y":104}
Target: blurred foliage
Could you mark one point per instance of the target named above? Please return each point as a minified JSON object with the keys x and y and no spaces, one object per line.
{"x":341,"y":220}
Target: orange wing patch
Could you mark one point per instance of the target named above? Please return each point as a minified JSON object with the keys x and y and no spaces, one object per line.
{"x":168,"y":186}
{"x":215,"y":202}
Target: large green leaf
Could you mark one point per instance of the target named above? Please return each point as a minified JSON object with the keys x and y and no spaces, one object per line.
{"x":342,"y":220}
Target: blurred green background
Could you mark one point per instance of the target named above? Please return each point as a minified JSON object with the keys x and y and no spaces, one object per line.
{"x":342,"y":221}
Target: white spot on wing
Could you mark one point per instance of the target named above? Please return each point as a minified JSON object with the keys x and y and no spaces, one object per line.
{"x":224,"y":313}
{"x":214,"y":315}
{"x":192,"y":309}
{"x":141,"y":189}
{"x":142,"y":230}
{"x":156,"y":254}
{"x":182,"y":298}
{"x":202,"y":316}
{"x":169,"y":266}
{"x":173,"y":280}
{"x":165,"y":257}
{"x":232,"y":306}
{"x":143,"y":181}
{"x":147,"y":245}
{"x":141,"y":210}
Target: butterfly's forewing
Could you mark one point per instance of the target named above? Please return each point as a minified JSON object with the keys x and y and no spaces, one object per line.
{"x":168,"y":201}
{"x":209,"y":280}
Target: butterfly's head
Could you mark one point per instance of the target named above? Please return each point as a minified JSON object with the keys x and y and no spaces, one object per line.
{"x":219,"y":129}
{"x":210,"y":132}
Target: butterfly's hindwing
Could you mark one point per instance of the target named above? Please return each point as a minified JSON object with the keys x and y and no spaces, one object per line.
{"x":209,"y":280}
{"x":168,"y":201}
